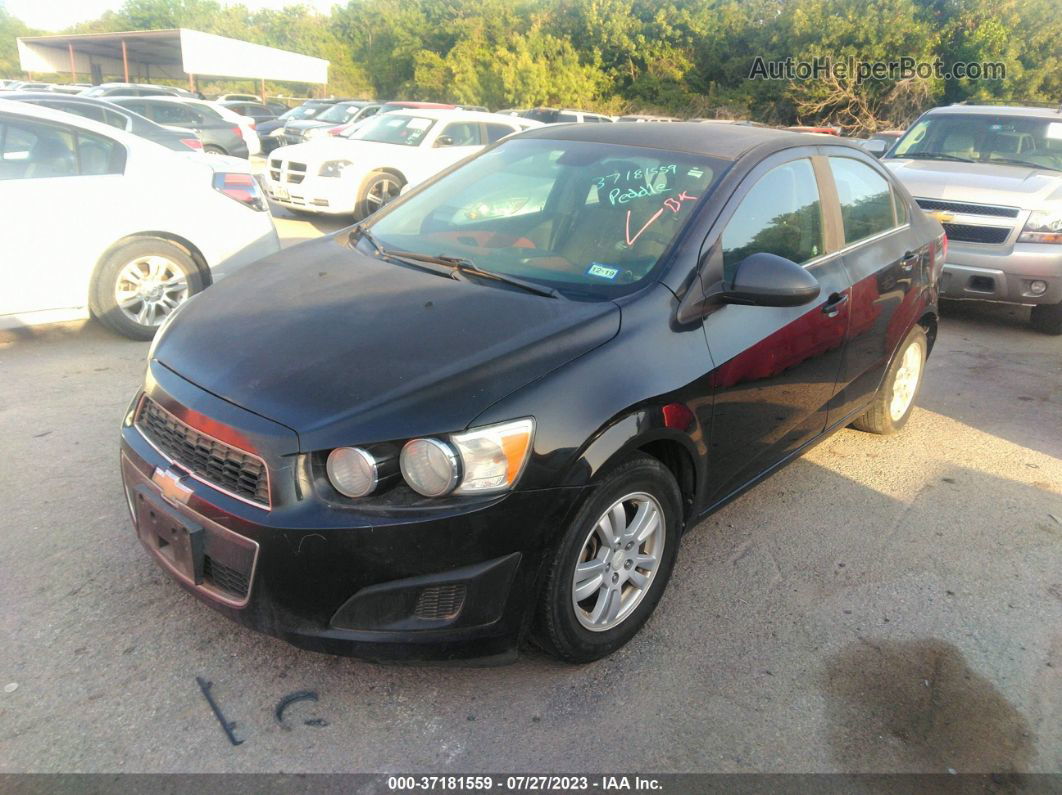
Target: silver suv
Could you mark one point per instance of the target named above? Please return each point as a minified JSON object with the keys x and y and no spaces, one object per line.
{"x":993,"y":177}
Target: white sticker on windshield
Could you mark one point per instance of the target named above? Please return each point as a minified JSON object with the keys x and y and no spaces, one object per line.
{"x":419,"y":124}
{"x":1054,"y":129}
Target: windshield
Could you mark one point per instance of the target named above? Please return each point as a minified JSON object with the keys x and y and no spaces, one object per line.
{"x":393,"y":128}
{"x":588,"y":219}
{"x":305,"y":111}
{"x":339,"y":113}
{"x":987,"y":138}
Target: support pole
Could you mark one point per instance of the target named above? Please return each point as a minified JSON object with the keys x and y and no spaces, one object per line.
{"x":125,"y":61}
{"x":263,"y":95}
{"x":191,"y":83}
{"x":73,"y":65}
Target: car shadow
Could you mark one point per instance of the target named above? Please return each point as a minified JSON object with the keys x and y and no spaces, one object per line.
{"x":918,"y":705}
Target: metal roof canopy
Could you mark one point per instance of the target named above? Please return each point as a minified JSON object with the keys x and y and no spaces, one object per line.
{"x":143,"y":55}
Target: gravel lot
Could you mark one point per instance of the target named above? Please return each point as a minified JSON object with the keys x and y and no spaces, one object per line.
{"x":883,"y":604}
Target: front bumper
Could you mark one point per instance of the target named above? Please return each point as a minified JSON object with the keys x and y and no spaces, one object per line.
{"x":412,"y":585}
{"x":1004,"y":273}
{"x":325,"y":195}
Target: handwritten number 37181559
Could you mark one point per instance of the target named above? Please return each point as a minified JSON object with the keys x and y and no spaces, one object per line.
{"x":673,"y":203}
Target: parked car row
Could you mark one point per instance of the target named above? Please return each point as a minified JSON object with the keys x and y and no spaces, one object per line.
{"x":144,"y":224}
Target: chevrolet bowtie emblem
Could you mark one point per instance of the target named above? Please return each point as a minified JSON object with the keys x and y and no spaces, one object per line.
{"x":173,"y":491}
{"x":942,"y":216}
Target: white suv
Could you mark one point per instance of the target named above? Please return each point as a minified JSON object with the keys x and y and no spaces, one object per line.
{"x":99,"y":221}
{"x":359,"y":172}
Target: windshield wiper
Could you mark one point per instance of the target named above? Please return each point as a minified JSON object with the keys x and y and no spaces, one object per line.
{"x":456,"y":267}
{"x":937,"y":156}
{"x":464,"y":267}
{"x":1013,"y":161}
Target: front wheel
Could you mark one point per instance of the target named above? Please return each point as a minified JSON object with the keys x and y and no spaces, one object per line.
{"x":1047,"y":318}
{"x":140,"y":283}
{"x":378,"y":189}
{"x":894,"y":402}
{"x":613,"y":563}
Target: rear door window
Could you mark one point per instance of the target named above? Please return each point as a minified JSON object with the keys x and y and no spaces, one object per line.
{"x":34,"y":150}
{"x":495,"y":132}
{"x":463,"y":133}
{"x":781,"y":215}
{"x":866,"y":199}
{"x":173,"y":113}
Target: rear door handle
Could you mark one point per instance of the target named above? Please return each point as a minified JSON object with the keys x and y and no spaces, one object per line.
{"x":909,"y":259}
{"x":833,"y":304}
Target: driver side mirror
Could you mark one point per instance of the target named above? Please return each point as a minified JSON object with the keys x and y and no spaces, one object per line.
{"x":444,"y":140}
{"x":764,"y":279}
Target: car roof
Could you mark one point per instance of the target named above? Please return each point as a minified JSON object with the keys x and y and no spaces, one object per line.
{"x":997,"y":110}
{"x":54,"y":96}
{"x":725,"y":141}
{"x":467,"y":115}
{"x":50,"y":114}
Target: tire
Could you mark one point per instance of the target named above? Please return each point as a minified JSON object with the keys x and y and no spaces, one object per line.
{"x":560,"y":626}
{"x":378,"y":189}
{"x":883,"y":416}
{"x":155,"y":260}
{"x":1047,"y":318}
{"x":211,"y":149}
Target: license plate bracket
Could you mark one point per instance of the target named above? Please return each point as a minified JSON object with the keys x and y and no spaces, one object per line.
{"x":181,"y":542}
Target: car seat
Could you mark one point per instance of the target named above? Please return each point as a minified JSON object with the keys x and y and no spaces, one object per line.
{"x":50,"y":157}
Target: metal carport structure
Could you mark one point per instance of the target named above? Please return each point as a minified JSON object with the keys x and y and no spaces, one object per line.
{"x":147,"y":55}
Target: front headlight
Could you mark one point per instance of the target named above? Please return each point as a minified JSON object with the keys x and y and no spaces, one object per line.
{"x":480,"y":461}
{"x":493,"y":457}
{"x":1042,"y":227}
{"x":277,"y":133}
{"x":313,"y":132}
{"x":353,"y":471}
{"x":429,"y":466}
{"x":333,"y":168}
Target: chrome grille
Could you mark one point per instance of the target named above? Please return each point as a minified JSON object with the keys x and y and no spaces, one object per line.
{"x":229,"y":469}
{"x":967,"y":208}
{"x":970,"y":233}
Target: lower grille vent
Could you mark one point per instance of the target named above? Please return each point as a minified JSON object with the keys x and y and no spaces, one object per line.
{"x":440,"y":602}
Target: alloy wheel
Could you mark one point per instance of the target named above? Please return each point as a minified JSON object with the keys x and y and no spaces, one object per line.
{"x":150,"y":288}
{"x":906,"y":382}
{"x":617,"y":561}
{"x":382,"y":191}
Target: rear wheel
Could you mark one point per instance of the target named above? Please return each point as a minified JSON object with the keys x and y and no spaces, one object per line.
{"x":613,"y":563}
{"x":1047,"y":318}
{"x":140,"y":283}
{"x":378,"y":189}
{"x":892,"y":405}
{"x":211,"y":149}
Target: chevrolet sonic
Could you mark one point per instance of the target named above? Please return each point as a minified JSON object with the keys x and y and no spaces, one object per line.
{"x":487,"y":413}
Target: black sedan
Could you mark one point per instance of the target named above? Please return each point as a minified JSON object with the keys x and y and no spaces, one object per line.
{"x":219,"y":135}
{"x":115,"y":115}
{"x":489,"y":412}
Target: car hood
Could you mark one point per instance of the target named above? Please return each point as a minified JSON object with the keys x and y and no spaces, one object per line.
{"x":327,"y":148}
{"x":305,"y":124}
{"x":978,"y":183}
{"x":344,"y":348}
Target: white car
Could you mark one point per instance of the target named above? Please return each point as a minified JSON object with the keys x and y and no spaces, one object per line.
{"x":358,"y":173}
{"x":99,"y":221}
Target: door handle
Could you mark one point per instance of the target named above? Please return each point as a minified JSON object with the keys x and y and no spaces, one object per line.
{"x":908,"y":260}
{"x":833,"y":304}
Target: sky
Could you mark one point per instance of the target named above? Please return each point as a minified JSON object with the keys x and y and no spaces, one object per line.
{"x":53,"y":15}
